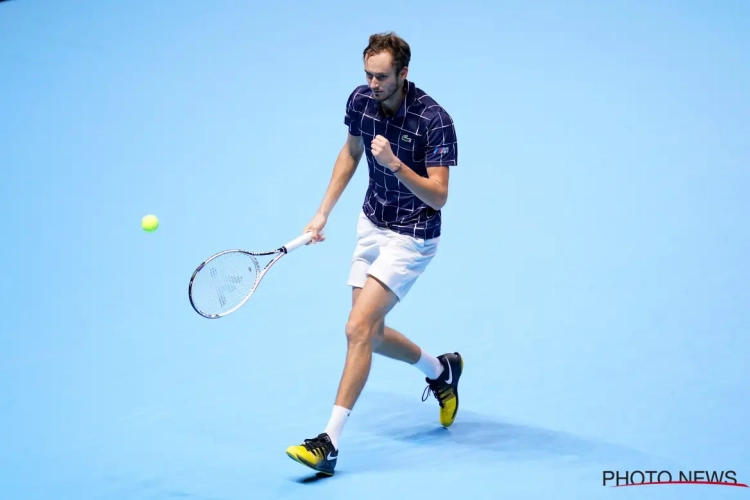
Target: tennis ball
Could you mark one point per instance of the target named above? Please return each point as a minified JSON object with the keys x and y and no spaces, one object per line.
{"x":150,"y":223}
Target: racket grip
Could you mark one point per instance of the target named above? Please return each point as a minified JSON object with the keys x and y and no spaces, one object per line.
{"x":298,"y":242}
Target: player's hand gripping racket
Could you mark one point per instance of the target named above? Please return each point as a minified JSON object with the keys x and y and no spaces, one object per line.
{"x":224,"y":281}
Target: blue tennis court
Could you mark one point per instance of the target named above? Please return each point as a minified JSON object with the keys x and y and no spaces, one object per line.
{"x":592,"y":271}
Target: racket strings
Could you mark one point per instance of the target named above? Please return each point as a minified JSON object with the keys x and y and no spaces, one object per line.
{"x":224,"y":282}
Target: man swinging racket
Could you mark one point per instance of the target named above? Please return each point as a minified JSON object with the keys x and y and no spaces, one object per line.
{"x":410,"y":142}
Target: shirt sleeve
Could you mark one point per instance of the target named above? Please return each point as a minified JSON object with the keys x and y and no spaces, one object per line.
{"x":442,"y":144}
{"x":351,"y":116}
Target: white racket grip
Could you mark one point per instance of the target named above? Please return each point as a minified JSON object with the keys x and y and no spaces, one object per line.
{"x":298,"y":242}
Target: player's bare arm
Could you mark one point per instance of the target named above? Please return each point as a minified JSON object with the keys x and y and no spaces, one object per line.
{"x":343,"y":171}
{"x":432,"y":190}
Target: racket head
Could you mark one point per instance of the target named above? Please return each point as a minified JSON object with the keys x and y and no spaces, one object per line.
{"x":223,"y":282}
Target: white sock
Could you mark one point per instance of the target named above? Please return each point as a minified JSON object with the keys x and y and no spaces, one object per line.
{"x":429,"y":365}
{"x":336,"y":424}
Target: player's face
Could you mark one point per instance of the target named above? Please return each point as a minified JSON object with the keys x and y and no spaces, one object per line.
{"x":382,"y":77}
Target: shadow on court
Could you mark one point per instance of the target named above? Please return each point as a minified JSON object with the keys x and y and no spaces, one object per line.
{"x":314,"y":478}
{"x":395,"y":431}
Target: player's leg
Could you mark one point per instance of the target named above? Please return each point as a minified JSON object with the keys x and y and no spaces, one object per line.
{"x":321,"y":453}
{"x":395,"y":262}
{"x":362,"y":329}
{"x":399,"y":264}
{"x":365,"y":318}
{"x":392,"y":344}
{"x":441,"y":373}
{"x":395,"y":345}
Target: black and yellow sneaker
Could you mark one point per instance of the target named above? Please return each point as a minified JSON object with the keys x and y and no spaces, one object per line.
{"x":317,"y":453}
{"x":445,"y":388}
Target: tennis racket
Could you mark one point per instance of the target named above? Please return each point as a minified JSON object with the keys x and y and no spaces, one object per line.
{"x":225,"y":281}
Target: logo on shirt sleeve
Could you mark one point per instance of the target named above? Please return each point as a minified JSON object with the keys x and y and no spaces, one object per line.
{"x":441,"y":150}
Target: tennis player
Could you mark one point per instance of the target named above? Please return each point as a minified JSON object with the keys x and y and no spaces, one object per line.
{"x":409,"y":141}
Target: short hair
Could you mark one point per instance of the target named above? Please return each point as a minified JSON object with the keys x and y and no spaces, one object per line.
{"x":392,"y":43}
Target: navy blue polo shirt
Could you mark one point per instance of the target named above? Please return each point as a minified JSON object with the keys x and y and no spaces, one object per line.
{"x":422,"y":135}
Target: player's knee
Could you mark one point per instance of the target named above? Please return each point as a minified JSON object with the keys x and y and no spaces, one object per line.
{"x":358,"y":330}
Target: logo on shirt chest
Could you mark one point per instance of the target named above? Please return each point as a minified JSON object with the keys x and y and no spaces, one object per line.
{"x":407,"y":142}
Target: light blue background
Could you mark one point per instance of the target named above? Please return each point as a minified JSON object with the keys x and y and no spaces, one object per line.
{"x":593,"y":269}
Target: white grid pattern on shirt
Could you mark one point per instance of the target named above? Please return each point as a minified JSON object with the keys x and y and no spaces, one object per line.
{"x":417,"y":134}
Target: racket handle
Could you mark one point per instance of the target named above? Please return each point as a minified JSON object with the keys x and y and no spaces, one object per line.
{"x":298,"y":242}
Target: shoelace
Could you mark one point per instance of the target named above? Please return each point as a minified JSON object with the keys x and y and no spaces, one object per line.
{"x":439,"y":391}
{"x":316,"y":446}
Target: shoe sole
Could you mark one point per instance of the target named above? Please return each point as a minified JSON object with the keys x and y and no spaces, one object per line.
{"x":304,"y":462}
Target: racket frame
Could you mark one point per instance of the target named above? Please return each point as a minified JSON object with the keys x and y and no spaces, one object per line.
{"x":259,"y":273}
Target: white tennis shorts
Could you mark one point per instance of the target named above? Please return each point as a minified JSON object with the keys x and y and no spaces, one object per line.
{"x":395,"y":259}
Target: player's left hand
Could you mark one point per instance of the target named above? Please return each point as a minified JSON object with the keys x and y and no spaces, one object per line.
{"x":381,"y":150}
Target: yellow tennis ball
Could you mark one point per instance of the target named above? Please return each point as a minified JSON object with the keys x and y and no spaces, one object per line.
{"x":150,"y":223}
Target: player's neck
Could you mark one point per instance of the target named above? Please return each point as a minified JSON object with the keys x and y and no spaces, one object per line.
{"x":391,"y":106}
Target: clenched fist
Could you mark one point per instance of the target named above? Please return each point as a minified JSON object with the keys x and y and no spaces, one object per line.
{"x":381,"y":150}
